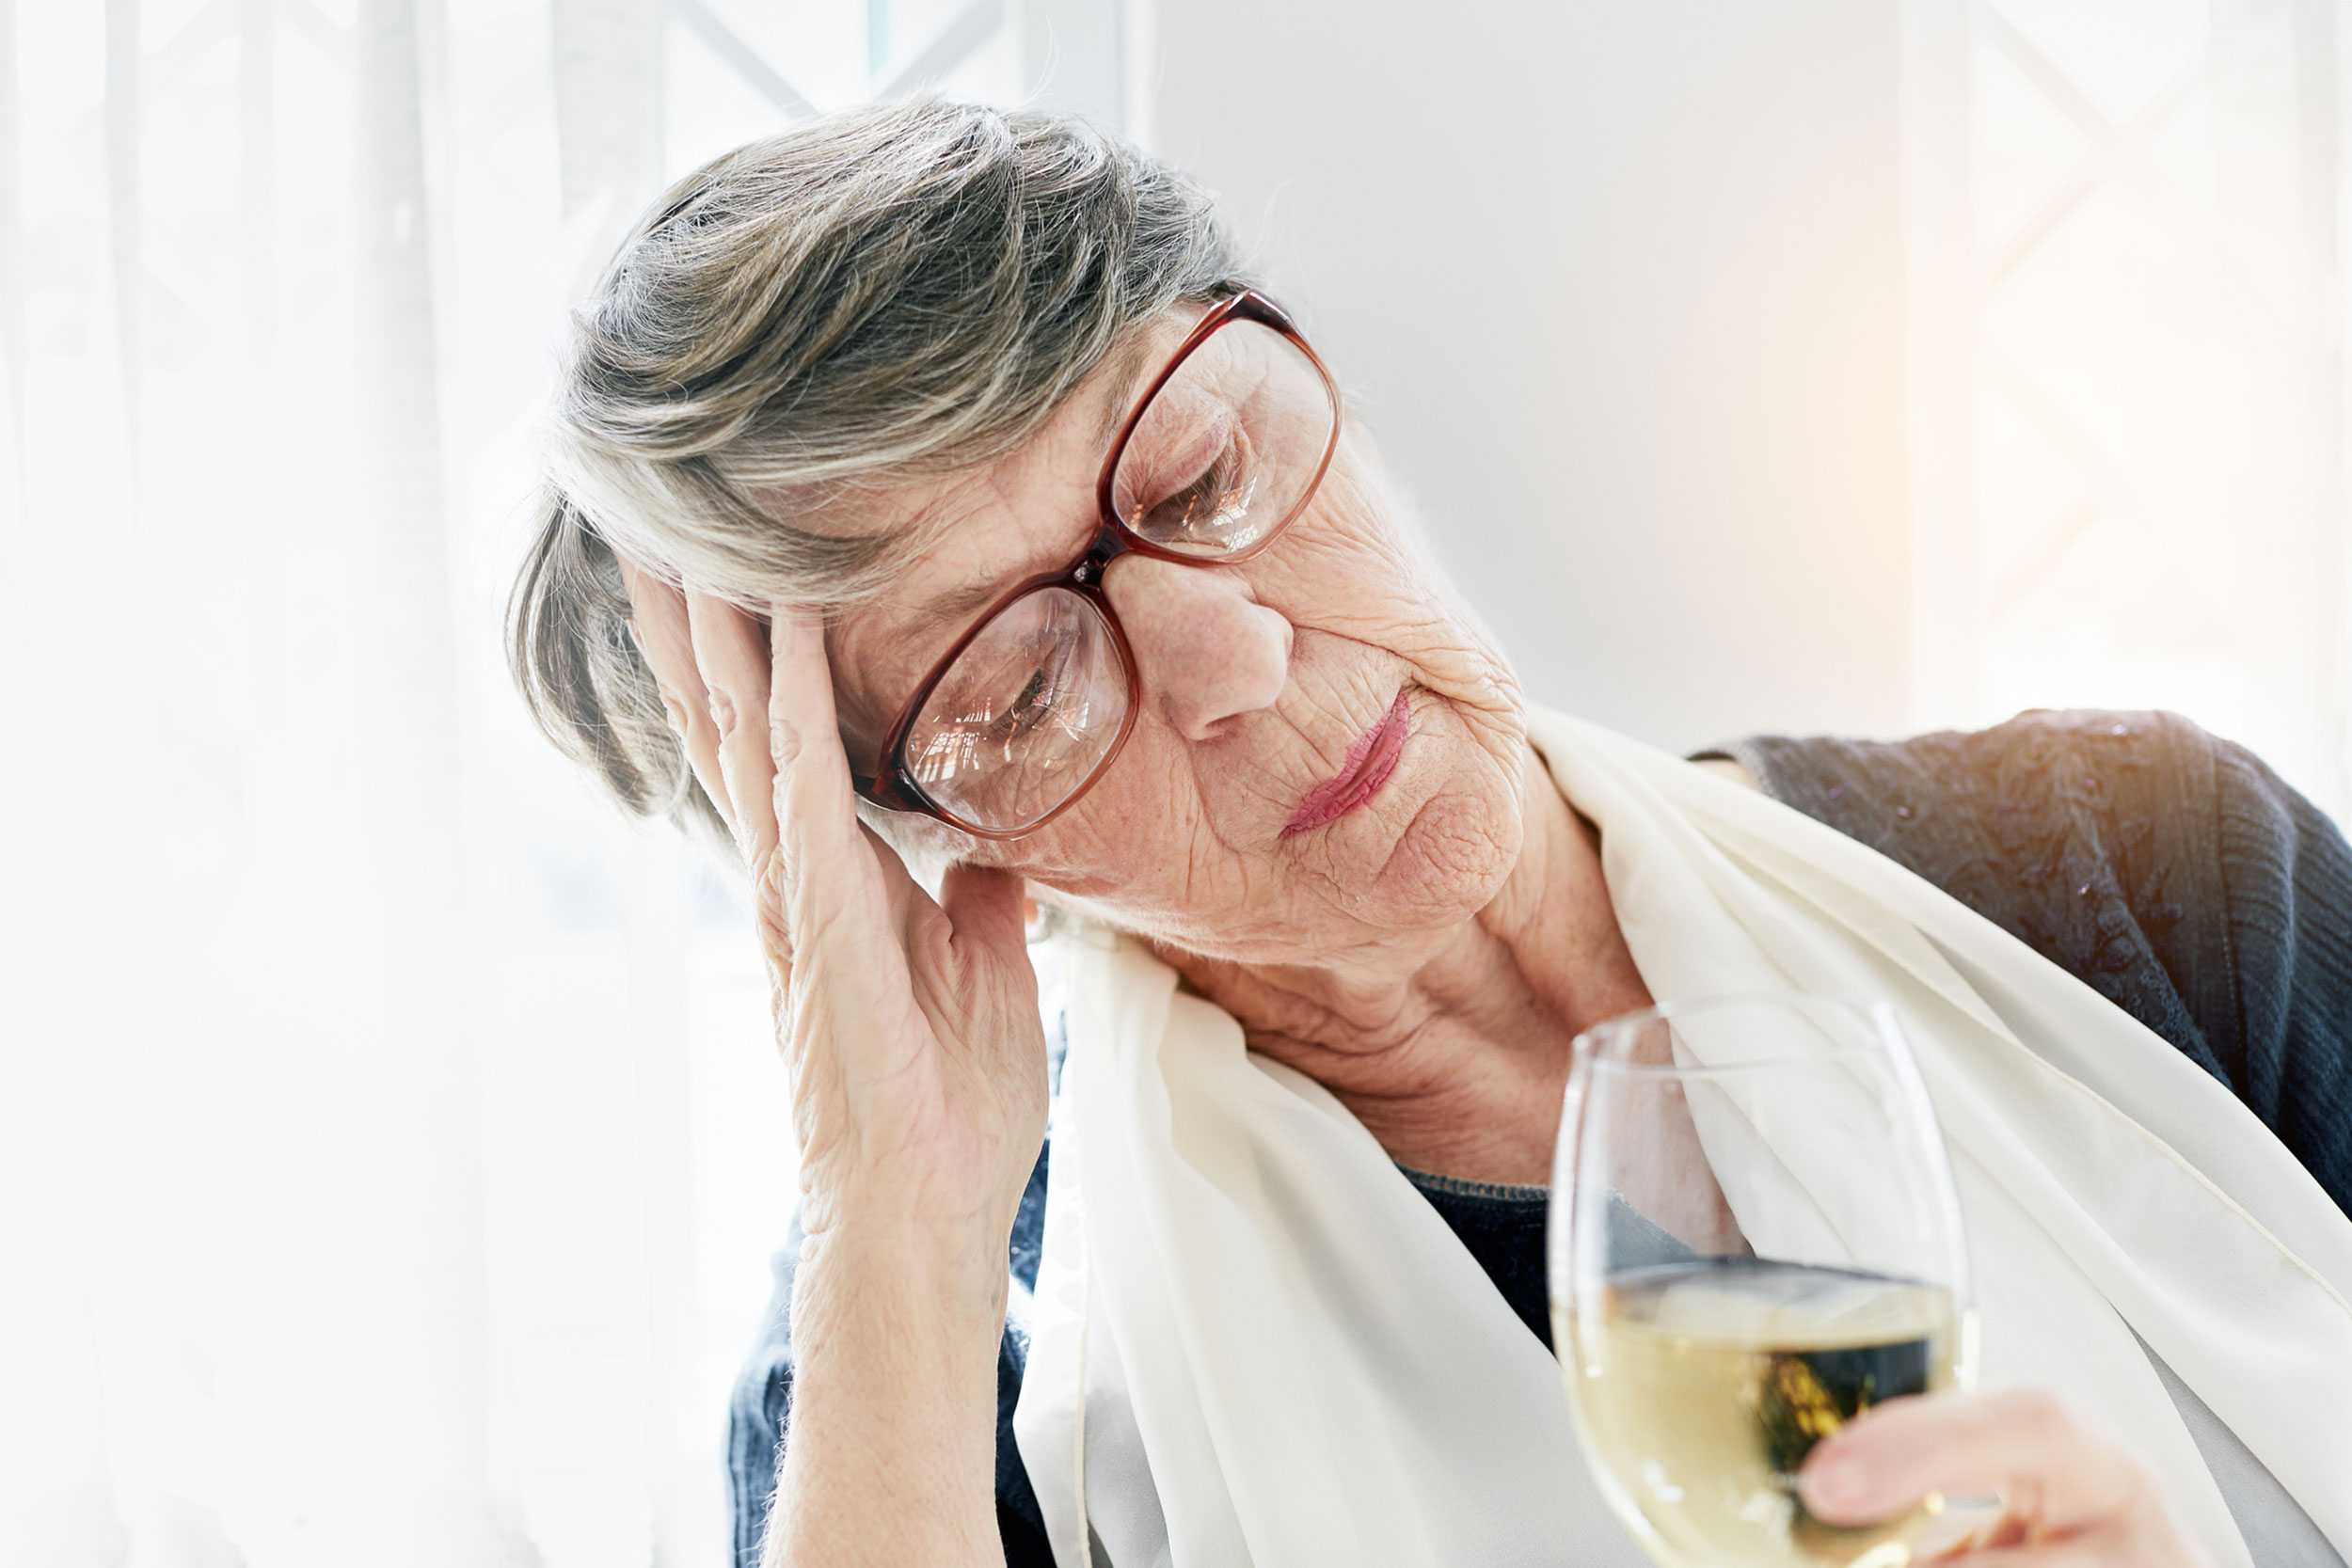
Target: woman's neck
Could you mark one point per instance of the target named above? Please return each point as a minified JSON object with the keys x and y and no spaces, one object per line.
{"x":1454,"y":1052}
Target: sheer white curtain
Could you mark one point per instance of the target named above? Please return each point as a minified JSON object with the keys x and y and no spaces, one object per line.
{"x":391,"y":1147}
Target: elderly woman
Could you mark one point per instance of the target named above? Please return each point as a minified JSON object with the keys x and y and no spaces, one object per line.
{"x":940,"y":512}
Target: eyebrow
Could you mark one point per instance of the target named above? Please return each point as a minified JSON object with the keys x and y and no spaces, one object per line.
{"x":951,"y":606}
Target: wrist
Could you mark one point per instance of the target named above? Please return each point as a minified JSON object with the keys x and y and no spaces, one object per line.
{"x":922,"y":1306}
{"x":891,"y":1452}
{"x":951,"y":1273}
{"x":869,"y":1218}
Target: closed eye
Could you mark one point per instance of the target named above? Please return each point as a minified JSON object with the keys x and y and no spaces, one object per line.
{"x":1010,"y":718}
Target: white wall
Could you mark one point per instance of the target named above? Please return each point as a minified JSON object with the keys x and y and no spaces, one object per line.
{"x":1619,"y":286}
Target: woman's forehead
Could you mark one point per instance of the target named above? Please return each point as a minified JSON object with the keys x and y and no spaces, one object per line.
{"x":1029,"y":496}
{"x":973,"y":533}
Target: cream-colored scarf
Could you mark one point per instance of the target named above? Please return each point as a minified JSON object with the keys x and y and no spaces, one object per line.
{"x":1287,"y":1358}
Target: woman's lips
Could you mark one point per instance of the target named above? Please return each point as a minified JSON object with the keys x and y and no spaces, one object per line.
{"x":1370,"y":762}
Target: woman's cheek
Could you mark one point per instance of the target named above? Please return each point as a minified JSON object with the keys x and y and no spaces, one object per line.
{"x":1098,"y":852}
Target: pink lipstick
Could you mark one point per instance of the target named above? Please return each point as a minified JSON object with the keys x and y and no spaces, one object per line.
{"x":1366,"y":768}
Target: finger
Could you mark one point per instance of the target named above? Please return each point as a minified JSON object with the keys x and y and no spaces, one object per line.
{"x":822,"y":846}
{"x":2021,"y":1442}
{"x":733,"y":658}
{"x":658,"y":620}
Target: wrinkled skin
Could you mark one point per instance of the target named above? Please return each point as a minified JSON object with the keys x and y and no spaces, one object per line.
{"x":1427,"y":956}
{"x":1258,"y":677}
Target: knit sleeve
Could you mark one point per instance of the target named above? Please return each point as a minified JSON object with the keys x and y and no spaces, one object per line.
{"x":2288,"y":878}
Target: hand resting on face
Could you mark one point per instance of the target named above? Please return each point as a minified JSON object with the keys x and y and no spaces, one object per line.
{"x":909,"y":1028}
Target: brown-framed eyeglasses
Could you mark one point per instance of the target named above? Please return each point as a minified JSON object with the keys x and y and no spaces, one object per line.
{"x":1029,"y":707}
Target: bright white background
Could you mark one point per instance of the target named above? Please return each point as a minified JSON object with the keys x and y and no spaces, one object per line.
{"x":389,"y":1144}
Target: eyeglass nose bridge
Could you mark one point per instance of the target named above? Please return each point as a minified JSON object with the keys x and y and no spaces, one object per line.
{"x":1110,"y":542}
{"x":1114,"y":539}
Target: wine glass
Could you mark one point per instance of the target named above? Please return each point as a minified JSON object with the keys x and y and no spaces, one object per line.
{"x":1755,"y":1237}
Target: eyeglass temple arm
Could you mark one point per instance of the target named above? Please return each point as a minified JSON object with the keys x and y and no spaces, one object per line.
{"x":889,"y":793}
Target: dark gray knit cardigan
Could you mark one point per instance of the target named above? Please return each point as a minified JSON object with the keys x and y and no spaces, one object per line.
{"x":2170,"y":871}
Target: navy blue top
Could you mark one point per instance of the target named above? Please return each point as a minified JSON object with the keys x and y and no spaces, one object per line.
{"x":2170,"y":871}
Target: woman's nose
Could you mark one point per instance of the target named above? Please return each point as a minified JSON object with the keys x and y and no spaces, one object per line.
{"x":1207,"y":651}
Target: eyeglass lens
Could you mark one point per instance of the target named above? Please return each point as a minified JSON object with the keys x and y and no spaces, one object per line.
{"x":1024,"y":715}
{"x":1221,"y":457}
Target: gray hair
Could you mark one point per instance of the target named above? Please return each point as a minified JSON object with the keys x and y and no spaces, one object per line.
{"x":884,"y":292}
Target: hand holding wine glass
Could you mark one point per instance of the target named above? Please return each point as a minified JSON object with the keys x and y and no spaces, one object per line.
{"x":1760,"y":1299}
{"x":2071,"y":1497}
{"x":1754,"y":1240}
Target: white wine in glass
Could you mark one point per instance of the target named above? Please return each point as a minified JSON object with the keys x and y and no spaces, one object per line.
{"x":1755,"y":1237}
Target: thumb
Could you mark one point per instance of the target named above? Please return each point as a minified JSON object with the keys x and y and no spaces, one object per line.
{"x":983,"y":908}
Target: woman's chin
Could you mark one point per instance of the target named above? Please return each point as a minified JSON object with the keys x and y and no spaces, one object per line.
{"x":1449,"y":861}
